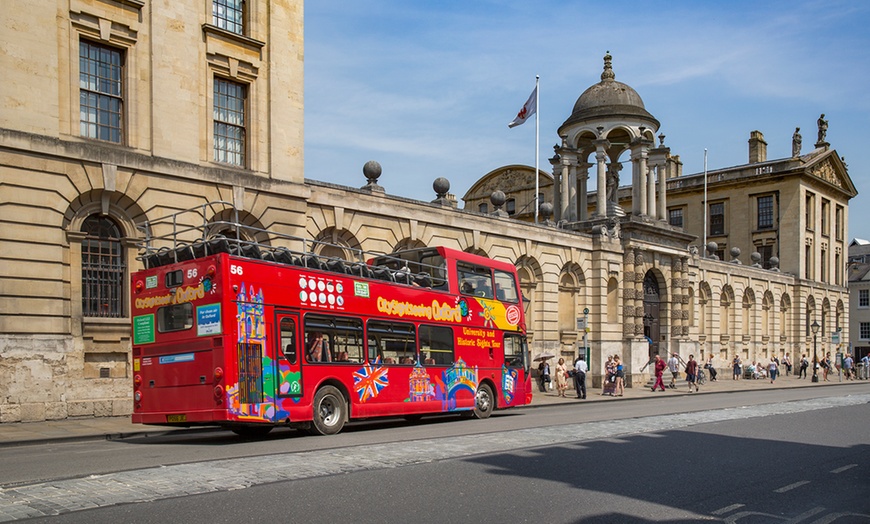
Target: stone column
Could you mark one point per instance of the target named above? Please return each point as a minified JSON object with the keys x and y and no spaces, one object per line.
{"x":651,"y":191}
{"x":676,"y":297}
{"x":556,"y":162}
{"x":638,"y":293}
{"x":572,"y":192}
{"x":583,"y":182}
{"x":564,"y":191}
{"x":639,"y":178}
{"x":601,"y":159}
{"x":628,"y":311}
{"x":663,"y":188}
{"x":686,"y":305}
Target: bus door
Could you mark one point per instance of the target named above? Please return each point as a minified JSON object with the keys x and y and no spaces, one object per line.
{"x":288,"y":356}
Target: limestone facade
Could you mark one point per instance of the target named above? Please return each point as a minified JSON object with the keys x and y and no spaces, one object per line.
{"x":210,"y":109}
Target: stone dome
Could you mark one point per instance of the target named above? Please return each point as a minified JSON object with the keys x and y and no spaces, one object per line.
{"x":609,"y":98}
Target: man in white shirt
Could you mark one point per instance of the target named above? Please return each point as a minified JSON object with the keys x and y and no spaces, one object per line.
{"x":866,"y":370}
{"x":674,"y":368}
{"x":580,"y":369}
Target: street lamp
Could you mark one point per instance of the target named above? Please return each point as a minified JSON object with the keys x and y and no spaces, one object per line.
{"x":815,"y":327}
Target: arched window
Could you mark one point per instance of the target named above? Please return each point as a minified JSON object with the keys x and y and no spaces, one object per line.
{"x":104,"y":269}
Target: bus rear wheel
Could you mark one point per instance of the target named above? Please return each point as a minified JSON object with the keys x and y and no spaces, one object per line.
{"x":330,"y":411}
{"x":484,"y":402}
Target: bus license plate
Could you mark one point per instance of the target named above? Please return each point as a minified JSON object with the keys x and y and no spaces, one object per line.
{"x":176,"y":418}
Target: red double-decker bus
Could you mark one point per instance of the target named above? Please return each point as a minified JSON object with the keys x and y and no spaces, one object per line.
{"x":233,"y":331}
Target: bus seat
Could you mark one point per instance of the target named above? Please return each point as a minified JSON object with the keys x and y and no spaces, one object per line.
{"x":151,"y":260}
{"x":164,"y":256}
{"x":250,"y":250}
{"x":402,"y":277}
{"x":218,"y":244}
{"x":183,"y":252}
{"x":382,"y":273}
{"x":200,"y":249}
{"x":312,"y":262}
{"x":336,"y":265}
{"x":268,"y":256}
{"x":423,"y":280}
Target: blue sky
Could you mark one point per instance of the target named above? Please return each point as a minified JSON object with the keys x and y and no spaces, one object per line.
{"x":427,"y":88}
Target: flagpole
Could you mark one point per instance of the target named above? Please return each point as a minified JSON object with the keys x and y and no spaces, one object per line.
{"x":537,"y":146}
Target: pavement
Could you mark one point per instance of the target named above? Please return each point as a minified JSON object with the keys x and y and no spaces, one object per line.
{"x":112,"y":428}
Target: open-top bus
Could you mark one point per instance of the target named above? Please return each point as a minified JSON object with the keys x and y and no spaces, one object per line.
{"x":249,"y":331}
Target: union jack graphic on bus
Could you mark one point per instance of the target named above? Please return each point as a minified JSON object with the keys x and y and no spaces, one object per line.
{"x":369,"y":381}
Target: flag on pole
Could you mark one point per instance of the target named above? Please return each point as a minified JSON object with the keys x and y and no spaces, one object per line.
{"x":529,"y":109}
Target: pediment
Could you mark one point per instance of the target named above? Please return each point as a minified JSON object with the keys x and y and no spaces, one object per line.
{"x":832,"y":170}
{"x":508,"y":179}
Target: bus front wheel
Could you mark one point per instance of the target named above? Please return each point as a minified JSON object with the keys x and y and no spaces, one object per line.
{"x":330,"y":411}
{"x":484,"y":402}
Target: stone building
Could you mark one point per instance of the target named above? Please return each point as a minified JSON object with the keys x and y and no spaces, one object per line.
{"x":134,"y":110}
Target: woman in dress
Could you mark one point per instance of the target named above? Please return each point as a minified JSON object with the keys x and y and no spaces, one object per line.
{"x":561,"y":377}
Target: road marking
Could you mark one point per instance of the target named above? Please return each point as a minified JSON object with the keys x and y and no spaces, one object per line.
{"x":844,"y":468}
{"x":727,"y":509}
{"x":805,"y":515}
{"x":791,"y":486}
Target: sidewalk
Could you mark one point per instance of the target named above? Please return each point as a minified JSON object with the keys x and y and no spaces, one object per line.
{"x":108,"y":428}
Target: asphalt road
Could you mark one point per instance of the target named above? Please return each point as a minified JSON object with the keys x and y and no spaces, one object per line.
{"x":790,"y":456}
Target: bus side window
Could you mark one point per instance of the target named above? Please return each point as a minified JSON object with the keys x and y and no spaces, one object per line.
{"x":288,"y":339}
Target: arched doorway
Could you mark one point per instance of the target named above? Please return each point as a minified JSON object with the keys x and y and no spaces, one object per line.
{"x":651,"y":305}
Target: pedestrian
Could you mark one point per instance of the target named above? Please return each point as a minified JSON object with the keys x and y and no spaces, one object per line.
{"x":847,"y":366}
{"x":580,"y":369}
{"x":609,"y":377}
{"x":826,"y":366}
{"x":711,"y":367}
{"x":692,"y":373}
{"x":544,"y":375}
{"x":804,"y":365}
{"x":737,"y":366}
{"x":561,"y":377}
{"x":865,"y":372}
{"x":674,"y":368}
{"x":619,"y":390}
{"x":772,"y":370}
{"x":659,"y":367}
{"x":786,"y":361}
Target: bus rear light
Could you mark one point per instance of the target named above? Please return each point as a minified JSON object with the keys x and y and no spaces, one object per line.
{"x":210,"y":272}
{"x":218,"y":393}
{"x":137,"y":396}
{"x":139,"y":286}
{"x":137,"y":381}
{"x":218,"y":374}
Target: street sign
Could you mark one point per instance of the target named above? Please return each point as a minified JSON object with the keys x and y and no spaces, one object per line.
{"x":835,"y":338}
{"x":581,"y":323}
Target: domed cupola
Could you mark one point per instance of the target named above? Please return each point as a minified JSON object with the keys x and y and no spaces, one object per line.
{"x":609,"y":99}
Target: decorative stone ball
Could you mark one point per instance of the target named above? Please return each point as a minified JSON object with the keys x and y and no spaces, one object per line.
{"x":441,"y":185}
{"x":712,"y":247}
{"x":774,"y":261}
{"x":755,"y":257}
{"x":546,"y":209}
{"x":372,"y":170}
{"x":497,"y":198}
{"x":735,"y":252}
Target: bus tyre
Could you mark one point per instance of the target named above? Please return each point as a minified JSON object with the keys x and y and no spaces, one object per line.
{"x":330,"y":411}
{"x":484,"y":402}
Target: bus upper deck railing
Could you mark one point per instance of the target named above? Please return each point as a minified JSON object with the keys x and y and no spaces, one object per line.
{"x":189,"y":234}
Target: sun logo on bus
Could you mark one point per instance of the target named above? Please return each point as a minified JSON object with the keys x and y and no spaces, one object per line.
{"x":487,"y":315}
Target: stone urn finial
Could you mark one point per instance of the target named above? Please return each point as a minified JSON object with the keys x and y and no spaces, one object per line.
{"x":372,"y":171}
